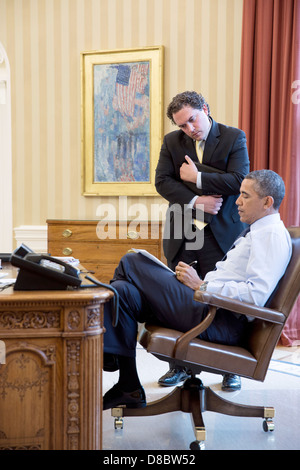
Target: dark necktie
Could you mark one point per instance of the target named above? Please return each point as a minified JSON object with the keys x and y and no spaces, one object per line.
{"x":242,"y":234}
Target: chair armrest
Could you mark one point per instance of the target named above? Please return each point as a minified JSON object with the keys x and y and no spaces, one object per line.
{"x":180,"y":348}
{"x":242,"y":308}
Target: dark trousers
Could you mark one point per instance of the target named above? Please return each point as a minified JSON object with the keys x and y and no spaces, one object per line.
{"x":148,"y":292}
{"x":206,"y":257}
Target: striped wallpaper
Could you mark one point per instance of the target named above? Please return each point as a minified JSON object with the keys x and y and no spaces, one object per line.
{"x":43,"y":40}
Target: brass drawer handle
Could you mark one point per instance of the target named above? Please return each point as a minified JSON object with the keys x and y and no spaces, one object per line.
{"x":132,"y":234}
{"x":67,"y":251}
{"x":67,"y":233}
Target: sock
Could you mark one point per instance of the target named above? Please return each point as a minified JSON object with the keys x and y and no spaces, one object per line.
{"x":129,"y":379}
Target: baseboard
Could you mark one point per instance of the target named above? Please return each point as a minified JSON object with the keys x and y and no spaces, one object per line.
{"x":34,"y":236}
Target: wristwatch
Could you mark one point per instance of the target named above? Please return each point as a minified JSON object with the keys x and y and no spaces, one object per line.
{"x":203,"y":286}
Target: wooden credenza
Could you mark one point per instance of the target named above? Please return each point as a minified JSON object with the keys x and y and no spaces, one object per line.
{"x":51,"y":383}
{"x":99,"y":246}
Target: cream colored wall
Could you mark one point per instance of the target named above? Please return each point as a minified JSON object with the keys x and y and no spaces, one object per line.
{"x":43,"y":40}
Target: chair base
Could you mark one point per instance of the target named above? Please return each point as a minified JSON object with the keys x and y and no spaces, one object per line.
{"x":194,"y":398}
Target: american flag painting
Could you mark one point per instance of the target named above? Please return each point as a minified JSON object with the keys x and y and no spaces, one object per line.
{"x":122,"y":122}
{"x":129,"y":81}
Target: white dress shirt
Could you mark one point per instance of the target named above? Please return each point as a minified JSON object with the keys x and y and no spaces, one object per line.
{"x":253,"y":268}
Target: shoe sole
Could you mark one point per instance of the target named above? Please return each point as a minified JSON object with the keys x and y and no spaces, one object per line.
{"x":110,"y":369}
{"x":174,"y":385}
{"x":128,"y":405}
{"x":230,"y":389}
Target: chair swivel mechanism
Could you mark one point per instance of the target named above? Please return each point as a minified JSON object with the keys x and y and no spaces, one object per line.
{"x":250,"y":361}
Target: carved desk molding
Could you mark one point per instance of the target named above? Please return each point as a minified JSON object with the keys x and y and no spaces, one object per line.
{"x":51,"y":383}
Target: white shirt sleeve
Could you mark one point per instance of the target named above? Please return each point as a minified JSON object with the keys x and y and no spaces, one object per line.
{"x":192,"y":202}
{"x":199,"y":180}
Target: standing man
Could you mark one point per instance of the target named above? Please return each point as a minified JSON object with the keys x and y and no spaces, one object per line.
{"x":200,"y":169}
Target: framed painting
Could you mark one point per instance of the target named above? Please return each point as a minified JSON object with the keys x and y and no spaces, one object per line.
{"x":122,"y":121}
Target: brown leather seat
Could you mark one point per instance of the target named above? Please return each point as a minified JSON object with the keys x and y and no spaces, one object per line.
{"x":251,"y":361}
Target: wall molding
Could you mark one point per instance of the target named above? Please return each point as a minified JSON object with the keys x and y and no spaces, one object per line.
{"x":34,"y":236}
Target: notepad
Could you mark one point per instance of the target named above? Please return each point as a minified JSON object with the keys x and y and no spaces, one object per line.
{"x":152,"y":257}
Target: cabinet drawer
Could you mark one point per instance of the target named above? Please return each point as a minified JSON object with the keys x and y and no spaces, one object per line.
{"x":109,"y":231}
{"x":97,"y":252}
{"x":99,"y":247}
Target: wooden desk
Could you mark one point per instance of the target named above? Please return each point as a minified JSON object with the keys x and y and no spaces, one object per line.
{"x":51,"y":384}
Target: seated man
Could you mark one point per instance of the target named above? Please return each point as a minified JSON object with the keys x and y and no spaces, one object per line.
{"x":148,"y":292}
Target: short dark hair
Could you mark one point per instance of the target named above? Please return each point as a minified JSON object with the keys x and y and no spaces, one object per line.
{"x":186,"y":98}
{"x":268,"y":183}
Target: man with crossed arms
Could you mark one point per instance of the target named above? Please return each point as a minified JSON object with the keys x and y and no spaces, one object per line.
{"x":221,"y":154}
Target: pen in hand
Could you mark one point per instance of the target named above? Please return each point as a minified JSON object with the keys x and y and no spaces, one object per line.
{"x":193,"y":263}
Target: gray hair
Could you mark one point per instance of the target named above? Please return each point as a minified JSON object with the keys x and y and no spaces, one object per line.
{"x":186,"y":98}
{"x":268,"y":183}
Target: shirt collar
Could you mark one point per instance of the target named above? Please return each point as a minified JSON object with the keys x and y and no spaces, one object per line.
{"x":268,"y":219}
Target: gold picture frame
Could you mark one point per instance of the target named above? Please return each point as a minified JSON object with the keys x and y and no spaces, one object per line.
{"x":122,"y":121}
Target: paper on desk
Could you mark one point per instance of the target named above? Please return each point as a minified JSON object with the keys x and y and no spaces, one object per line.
{"x":3,"y":275}
{"x":68,"y":260}
{"x":6,"y":282}
{"x":150,"y":256}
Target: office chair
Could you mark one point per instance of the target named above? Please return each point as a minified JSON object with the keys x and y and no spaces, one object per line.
{"x":250,"y":361}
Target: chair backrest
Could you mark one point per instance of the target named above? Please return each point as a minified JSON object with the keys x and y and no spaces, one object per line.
{"x":287,"y":290}
{"x":263,"y":336}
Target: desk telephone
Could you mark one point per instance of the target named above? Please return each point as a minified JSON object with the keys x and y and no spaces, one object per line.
{"x":42,"y":272}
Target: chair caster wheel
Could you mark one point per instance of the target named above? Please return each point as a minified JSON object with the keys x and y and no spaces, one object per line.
{"x":118,"y":423}
{"x":268,"y":425}
{"x":197,"y":445}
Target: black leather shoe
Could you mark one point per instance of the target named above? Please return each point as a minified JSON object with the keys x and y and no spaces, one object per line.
{"x":116,"y":397}
{"x":231,"y":383}
{"x":110,"y":362}
{"x":173,"y":377}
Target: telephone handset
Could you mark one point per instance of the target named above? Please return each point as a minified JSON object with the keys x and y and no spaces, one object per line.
{"x":42,"y":272}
